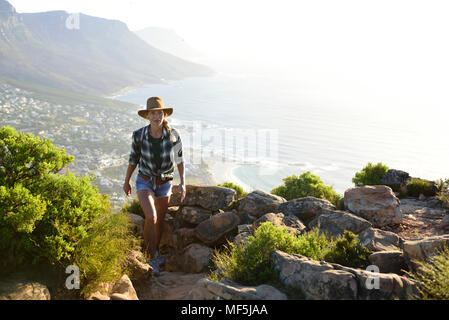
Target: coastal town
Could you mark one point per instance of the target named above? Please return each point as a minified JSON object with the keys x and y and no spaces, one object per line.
{"x":99,"y":137}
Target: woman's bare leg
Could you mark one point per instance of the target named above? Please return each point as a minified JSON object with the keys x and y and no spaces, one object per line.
{"x":147,"y":202}
{"x":161,"y":205}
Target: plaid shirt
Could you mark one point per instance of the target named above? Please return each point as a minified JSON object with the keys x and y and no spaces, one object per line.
{"x":141,"y":152}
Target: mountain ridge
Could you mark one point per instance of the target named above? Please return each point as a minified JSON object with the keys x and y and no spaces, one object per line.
{"x":96,"y":56}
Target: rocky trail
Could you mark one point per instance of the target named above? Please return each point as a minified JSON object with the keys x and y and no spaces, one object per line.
{"x":167,"y":286}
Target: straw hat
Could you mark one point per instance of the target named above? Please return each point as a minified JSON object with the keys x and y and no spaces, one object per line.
{"x":155,"y":103}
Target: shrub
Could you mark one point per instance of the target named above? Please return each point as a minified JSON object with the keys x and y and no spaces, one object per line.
{"x":101,"y":255}
{"x":417,"y":186}
{"x":443,"y":186}
{"x":433,"y":276}
{"x":348,"y":251}
{"x":240,"y":192}
{"x":370,"y":175}
{"x":307,"y":184}
{"x":46,"y":218}
{"x":250,"y":264}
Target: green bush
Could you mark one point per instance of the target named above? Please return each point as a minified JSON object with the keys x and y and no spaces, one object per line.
{"x":240,"y":192}
{"x":417,"y":186}
{"x":349,"y":252}
{"x":47,"y":218}
{"x":250,"y":264}
{"x":433,"y":276}
{"x":370,"y":175}
{"x":307,"y":184}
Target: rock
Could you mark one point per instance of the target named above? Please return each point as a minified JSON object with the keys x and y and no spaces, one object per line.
{"x":214,"y":231}
{"x":167,"y":244}
{"x":124,"y":286}
{"x":389,"y":261}
{"x":258,"y":203}
{"x":195,"y":259}
{"x":382,"y":286}
{"x":444,"y":224}
{"x":245,"y":228}
{"x":319,"y":280}
{"x":137,"y":224}
{"x":395,"y":179}
{"x":335,"y":222}
{"x":242,"y":239}
{"x":422,"y":197}
{"x":305,"y":208}
{"x":206,"y":289}
{"x":13,"y":289}
{"x":212,"y":198}
{"x":138,"y":269}
{"x":98,"y":296}
{"x":291,"y":222}
{"x":423,"y":249}
{"x":119,"y":296}
{"x":182,"y":237}
{"x":380,"y":240}
{"x":377,"y":204}
{"x":194,"y":215}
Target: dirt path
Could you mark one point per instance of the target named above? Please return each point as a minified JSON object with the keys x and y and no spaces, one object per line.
{"x":167,"y":286}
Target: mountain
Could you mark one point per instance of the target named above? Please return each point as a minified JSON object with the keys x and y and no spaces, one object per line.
{"x":81,"y":53}
{"x":169,"y":41}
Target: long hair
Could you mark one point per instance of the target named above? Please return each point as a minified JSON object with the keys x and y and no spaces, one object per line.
{"x":166,"y":124}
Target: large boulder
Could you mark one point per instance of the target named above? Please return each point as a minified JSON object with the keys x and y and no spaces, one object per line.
{"x":377,"y":204}
{"x":193,"y":216}
{"x":14,"y":289}
{"x":319,"y":280}
{"x":305,"y":208}
{"x":395,"y":179}
{"x":380,"y":240}
{"x":212,"y":198}
{"x":291,"y":222}
{"x":258,"y":202}
{"x":215,"y":230}
{"x":226,"y":289}
{"x":335,"y":222}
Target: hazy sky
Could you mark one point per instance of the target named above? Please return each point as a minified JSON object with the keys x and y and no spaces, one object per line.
{"x":397,"y":48}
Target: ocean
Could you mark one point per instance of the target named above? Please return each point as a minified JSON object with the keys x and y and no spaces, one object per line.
{"x":258,"y":128}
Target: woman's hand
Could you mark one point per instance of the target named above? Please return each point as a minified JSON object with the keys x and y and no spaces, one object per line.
{"x":182,"y":191}
{"x":127,"y":188}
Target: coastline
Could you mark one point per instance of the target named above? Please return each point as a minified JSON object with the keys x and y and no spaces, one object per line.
{"x":222,"y":171}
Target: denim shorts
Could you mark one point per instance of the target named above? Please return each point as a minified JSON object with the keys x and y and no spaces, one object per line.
{"x":162,"y":190}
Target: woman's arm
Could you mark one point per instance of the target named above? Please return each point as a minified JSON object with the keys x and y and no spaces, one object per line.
{"x":129,"y":173}
{"x":182,"y":185}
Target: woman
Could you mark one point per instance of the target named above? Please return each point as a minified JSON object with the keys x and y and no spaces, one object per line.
{"x":155,"y":148}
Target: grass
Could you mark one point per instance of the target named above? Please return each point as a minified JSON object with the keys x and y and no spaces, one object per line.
{"x":102,"y":255}
{"x":433,"y":276}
